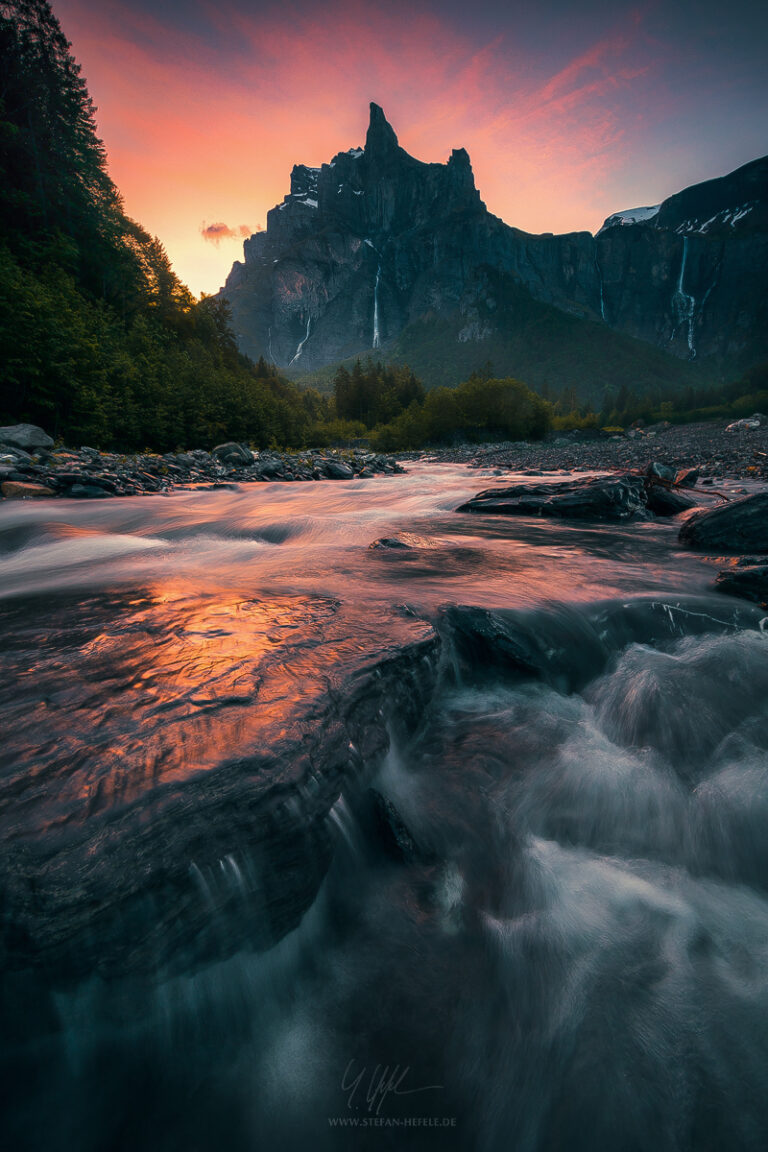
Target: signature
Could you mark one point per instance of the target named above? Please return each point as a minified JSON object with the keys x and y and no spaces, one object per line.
{"x":382,"y":1082}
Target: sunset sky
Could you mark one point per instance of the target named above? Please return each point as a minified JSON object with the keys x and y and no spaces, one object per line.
{"x":568,"y":111}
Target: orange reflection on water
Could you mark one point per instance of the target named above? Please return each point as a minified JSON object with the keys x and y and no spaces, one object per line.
{"x":174,"y":684}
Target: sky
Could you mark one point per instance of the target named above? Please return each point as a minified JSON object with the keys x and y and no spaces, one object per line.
{"x":569,"y":111}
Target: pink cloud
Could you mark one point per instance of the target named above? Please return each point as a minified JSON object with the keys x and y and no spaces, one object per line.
{"x":215,"y":233}
{"x":185,"y":127}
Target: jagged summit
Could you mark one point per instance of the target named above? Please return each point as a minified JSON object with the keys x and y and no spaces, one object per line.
{"x":380,"y":137}
{"x":375,"y":241}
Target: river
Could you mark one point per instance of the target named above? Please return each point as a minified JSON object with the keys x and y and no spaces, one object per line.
{"x":308,"y":844}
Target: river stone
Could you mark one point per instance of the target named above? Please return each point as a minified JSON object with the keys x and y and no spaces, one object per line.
{"x":337,"y":470}
{"x":660,"y":471}
{"x":741,"y":526}
{"x":232,"y":453}
{"x":18,"y":490}
{"x":18,"y":455}
{"x":88,"y":492}
{"x":751,"y":583}
{"x":667,"y":502}
{"x":621,"y":497}
{"x":27,"y":436}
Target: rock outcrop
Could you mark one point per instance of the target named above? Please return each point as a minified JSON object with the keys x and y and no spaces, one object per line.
{"x":741,"y":526}
{"x":375,"y":241}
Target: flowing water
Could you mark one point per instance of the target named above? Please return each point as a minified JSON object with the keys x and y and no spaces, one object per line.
{"x":307,"y":844}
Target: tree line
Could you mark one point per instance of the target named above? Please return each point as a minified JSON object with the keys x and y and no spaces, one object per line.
{"x":99,"y":340}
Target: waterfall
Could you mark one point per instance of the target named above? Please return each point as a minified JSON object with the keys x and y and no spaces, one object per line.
{"x":599,"y":271}
{"x":269,"y":345}
{"x":301,"y":344}
{"x":376,"y":332}
{"x":684,"y":304}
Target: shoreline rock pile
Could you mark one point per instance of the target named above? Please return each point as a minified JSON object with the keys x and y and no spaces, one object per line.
{"x":30,"y":466}
{"x":718,"y":454}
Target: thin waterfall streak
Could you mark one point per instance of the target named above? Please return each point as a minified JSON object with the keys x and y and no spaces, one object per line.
{"x":599,"y":271}
{"x":684,"y":304}
{"x":376,"y":332}
{"x":300,"y":348}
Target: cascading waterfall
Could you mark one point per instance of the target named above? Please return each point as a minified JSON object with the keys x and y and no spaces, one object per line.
{"x":684,"y":304}
{"x":376,"y":332}
{"x":301,"y":344}
{"x":269,"y":345}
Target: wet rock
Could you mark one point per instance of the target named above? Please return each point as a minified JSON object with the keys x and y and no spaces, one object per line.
{"x":741,"y":526}
{"x":751,"y":583}
{"x":130,"y":858}
{"x":389,"y":542}
{"x":26,"y":436}
{"x":687,"y":477}
{"x":667,"y":502}
{"x":620,"y":497}
{"x":20,"y":490}
{"x":394,"y":834}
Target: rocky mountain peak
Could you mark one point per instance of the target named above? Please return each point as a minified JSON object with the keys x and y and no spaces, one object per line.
{"x":376,"y":246}
{"x":380,"y":139}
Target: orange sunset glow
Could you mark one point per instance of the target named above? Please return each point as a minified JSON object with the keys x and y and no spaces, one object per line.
{"x":205,"y":110}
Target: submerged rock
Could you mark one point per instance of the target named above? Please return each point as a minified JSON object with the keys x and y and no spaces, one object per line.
{"x":741,"y":526}
{"x":390,"y":542}
{"x":394,"y":834}
{"x":621,"y":497}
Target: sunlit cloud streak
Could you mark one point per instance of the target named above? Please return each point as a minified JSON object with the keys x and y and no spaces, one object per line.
{"x":215,"y":233}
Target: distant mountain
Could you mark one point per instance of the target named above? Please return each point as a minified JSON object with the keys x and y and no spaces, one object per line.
{"x":377,"y":251}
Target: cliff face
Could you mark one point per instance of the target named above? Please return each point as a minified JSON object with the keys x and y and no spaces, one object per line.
{"x":372,"y":242}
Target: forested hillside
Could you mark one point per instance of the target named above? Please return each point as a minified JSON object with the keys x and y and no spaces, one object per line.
{"x":99,"y":340}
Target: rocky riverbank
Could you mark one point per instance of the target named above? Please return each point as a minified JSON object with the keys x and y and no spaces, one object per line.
{"x":716,"y":452}
{"x":32,"y":466}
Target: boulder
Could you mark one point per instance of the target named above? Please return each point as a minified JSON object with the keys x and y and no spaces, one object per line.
{"x":741,"y":526}
{"x":18,"y":490}
{"x":658,"y":471}
{"x":687,"y":477}
{"x":27,"y":436}
{"x":620,"y":497}
{"x":232,"y":453}
{"x":338,"y":470}
{"x":751,"y":583}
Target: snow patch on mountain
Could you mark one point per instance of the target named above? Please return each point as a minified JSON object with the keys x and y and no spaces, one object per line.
{"x":630,"y":216}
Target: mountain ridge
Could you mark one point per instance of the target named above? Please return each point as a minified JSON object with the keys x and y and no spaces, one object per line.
{"x":369,"y":244}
